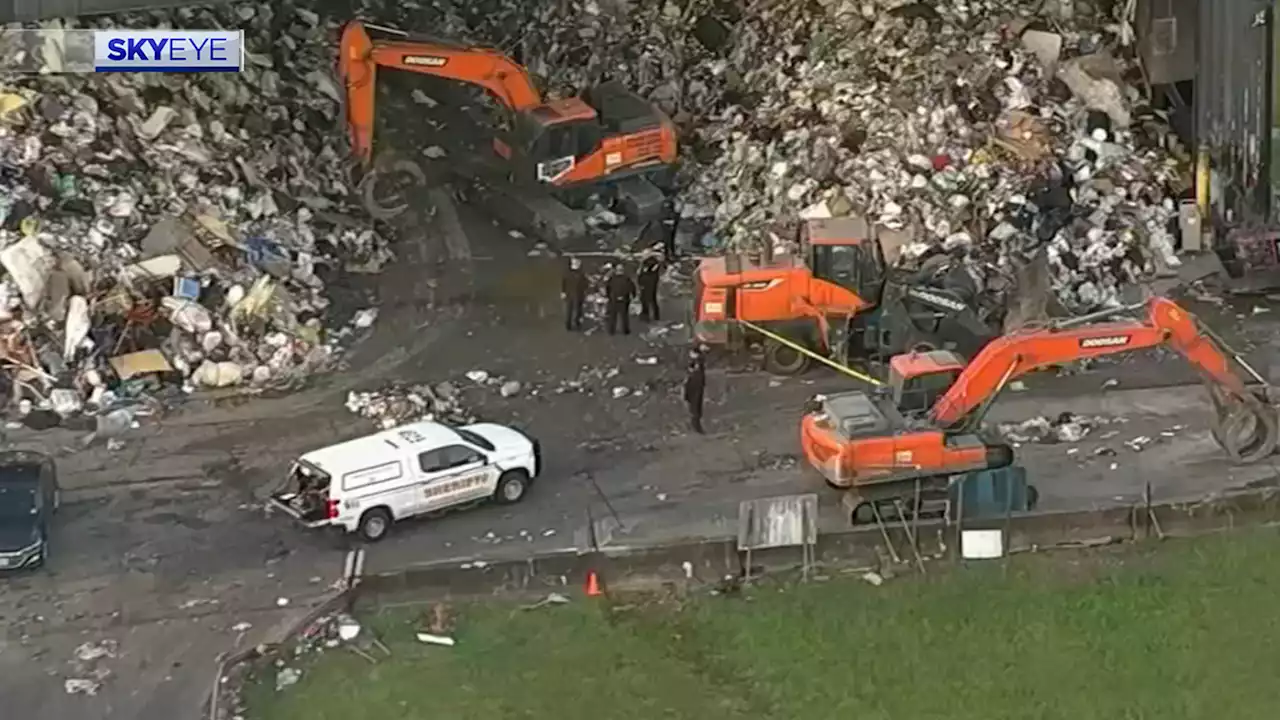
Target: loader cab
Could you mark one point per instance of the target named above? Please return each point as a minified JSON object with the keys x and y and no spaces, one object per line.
{"x":551,"y":138}
{"x":918,"y":380}
{"x":845,"y":252}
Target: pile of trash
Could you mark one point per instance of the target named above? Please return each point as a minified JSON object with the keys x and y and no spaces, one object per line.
{"x":399,"y":404}
{"x":995,"y":131}
{"x":178,"y":230}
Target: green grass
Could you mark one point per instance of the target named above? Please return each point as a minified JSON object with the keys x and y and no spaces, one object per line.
{"x":1188,"y":629}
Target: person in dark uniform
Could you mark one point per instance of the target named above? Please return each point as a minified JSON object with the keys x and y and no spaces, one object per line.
{"x":647,"y":279}
{"x":619,"y":290}
{"x":695,"y":387}
{"x":662,"y":231}
{"x":670,"y":218}
{"x":573,"y":289}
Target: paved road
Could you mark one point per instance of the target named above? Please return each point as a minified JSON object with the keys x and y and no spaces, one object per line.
{"x":164,"y":546}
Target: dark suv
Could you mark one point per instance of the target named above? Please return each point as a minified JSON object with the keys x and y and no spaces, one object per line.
{"x":28,"y":498}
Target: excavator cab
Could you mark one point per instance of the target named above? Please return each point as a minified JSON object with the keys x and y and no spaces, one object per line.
{"x":547,"y":141}
{"x":918,"y":379}
{"x":845,"y":252}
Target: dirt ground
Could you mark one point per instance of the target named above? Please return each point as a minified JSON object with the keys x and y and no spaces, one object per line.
{"x":164,"y":546}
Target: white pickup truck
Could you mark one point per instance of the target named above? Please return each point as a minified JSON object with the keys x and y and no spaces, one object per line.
{"x":366,"y":484}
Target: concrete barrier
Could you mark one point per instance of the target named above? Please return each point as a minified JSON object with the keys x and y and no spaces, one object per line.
{"x":712,"y":559}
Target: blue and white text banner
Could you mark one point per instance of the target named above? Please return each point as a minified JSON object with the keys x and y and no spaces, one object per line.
{"x":86,"y":51}
{"x":168,"y":50}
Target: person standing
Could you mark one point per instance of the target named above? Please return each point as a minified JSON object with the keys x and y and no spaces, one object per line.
{"x":619,"y":290}
{"x":670,"y":217}
{"x":573,"y":290}
{"x":648,"y":277}
{"x":695,"y":387}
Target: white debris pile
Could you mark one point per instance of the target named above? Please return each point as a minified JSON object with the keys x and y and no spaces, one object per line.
{"x":178,"y":226}
{"x":969,"y":125}
{"x":399,"y":404}
{"x":90,"y":668}
{"x":1065,"y":428}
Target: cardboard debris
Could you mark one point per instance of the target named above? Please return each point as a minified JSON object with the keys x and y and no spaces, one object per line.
{"x":143,"y":362}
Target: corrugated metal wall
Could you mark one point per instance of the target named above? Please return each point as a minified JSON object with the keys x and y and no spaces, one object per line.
{"x":1233,"y":102}
{"x":30,"y":10}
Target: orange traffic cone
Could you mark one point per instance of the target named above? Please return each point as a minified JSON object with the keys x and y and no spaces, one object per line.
{"x":593,"y":585}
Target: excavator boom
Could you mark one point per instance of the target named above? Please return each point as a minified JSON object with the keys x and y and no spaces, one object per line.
{"x":1012,"y":356}
{"x":360,"y":56}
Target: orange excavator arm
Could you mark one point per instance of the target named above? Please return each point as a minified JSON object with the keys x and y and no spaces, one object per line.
{"x":360,"y":56}
{"x":1011,"y":356}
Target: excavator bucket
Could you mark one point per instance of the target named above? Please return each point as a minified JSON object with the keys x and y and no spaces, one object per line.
{"x":1031,"y":300}
{"x":1247,"y":429}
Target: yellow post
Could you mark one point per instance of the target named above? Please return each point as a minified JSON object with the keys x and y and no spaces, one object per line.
{"x":1202,"y":186}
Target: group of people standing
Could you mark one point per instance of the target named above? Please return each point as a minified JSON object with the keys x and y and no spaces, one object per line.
{"x":619,"y":289}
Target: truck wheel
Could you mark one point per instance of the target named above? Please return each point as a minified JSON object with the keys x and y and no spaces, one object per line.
{"x":375,"y":524}
{"x":511,"y":487}
{"x":783,"y":360}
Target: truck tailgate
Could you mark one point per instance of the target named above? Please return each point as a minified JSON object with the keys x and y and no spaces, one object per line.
{"x":280,"y":501}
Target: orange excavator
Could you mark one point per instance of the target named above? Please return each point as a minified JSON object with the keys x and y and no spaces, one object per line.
{"x":926,"y":428}
{"x":547,"y":155}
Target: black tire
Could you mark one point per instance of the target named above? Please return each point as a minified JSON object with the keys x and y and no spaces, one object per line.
{"x":512,"y":487}
{"x":863,"y":514}
{"x":786,"y":361}
{"x":375,"y":524}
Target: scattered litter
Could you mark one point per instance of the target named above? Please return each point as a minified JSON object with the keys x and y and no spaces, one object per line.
{"x":89,"y":651}
{"x":81,"y":686}
{"x":435,"y":639}
{"x":287,"y":677}
{"x":873,"y":578}
{"x":348,"y":628}
{"x":550,"y":599}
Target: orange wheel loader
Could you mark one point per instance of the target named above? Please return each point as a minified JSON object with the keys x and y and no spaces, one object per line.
{"x":547,"y":156}
{"x":925,"y":429}
{"x":838,"y":296}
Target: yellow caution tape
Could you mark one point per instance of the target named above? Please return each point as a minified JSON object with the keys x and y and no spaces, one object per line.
{"x":806,"y":351}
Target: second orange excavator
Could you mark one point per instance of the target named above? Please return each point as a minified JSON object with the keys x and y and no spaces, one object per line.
{"x":881,"y":448}
{"x":548,"y":155}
